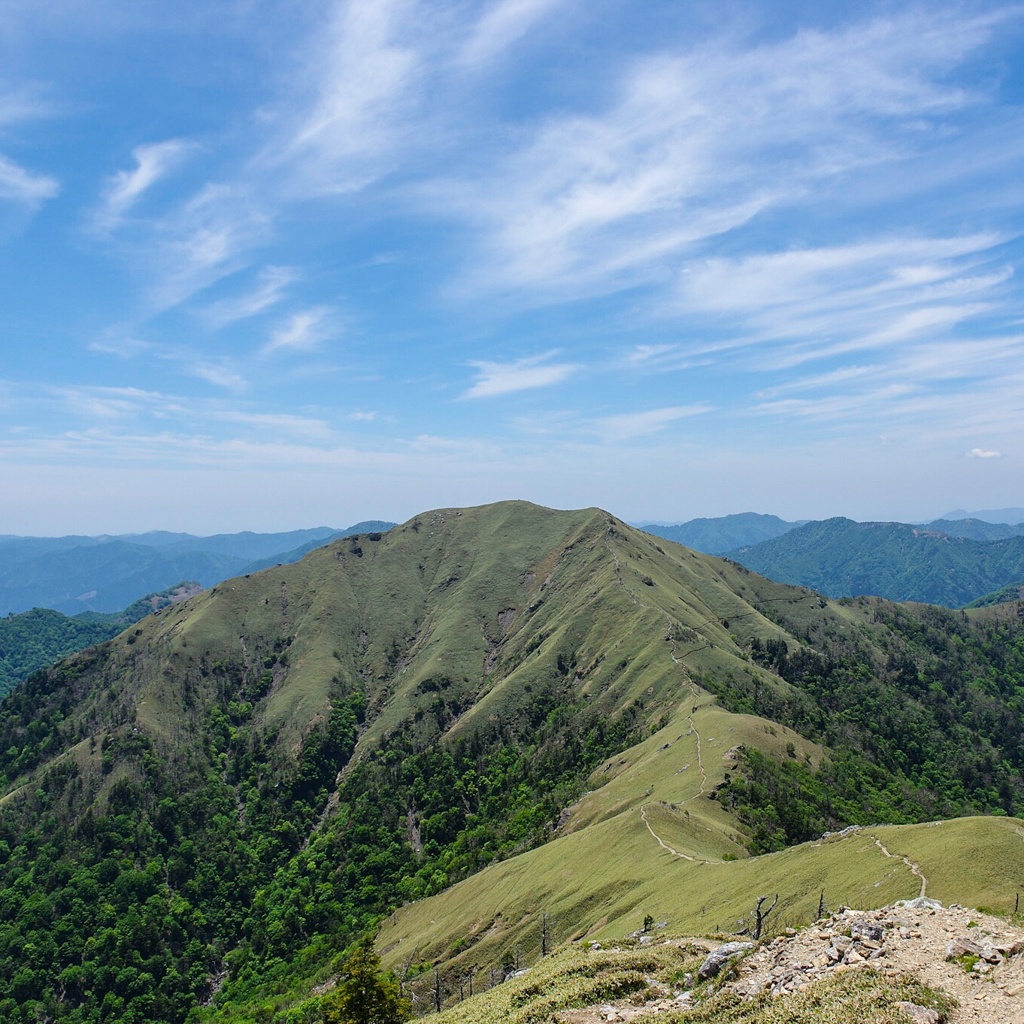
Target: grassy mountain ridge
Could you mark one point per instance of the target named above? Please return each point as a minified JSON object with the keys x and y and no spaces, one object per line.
{"x":237,"y":786}
{"x":841,"y":558}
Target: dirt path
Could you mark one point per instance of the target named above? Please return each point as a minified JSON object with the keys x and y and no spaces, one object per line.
{"x":702,"y":787}
{"x":915,"y":869}
{"x":661,"y":842}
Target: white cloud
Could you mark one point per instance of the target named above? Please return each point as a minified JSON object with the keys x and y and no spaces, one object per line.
{"x":152,"y":162}
{"x":221,"y":373}
{"x":983,"y":453}
{"x":625,"y":426}
{"x":503,"y":25}
{"x":21,"y":186}
{"x":272,"y":284}
{"x":521,"y":375}
{"x":307,"y":427}
{"x":110,"y":403}
{"x":814,"y":304}
{"x":696,"y":145}
{"x":125,"y":347}
{"x":354,"y":101}
{"x":212,"y":236}
{"x":302,"y":332}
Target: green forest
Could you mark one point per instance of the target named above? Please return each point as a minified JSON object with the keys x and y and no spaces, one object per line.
{"x":210,"y":865}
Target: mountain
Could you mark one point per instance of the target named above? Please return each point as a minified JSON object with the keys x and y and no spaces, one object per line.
{"x":104,"y":574}
{"x":999,"y":515}
{"x":975,"y":529}
{"x":717,"y":536}
{"x":1013,"y":592}
{"x":490,"y":712}
{"x":842,"y":558}
{"x":32,"y":640}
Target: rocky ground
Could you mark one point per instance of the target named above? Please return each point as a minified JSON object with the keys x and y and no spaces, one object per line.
{"x":977,"y":959}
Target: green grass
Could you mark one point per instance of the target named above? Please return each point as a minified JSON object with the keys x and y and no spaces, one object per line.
{"x":577,"y":976}
{"x":572,"y":977}
{"x":852,"y":997}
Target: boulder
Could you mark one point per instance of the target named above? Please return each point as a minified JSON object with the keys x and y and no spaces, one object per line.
{"x":718,"y":958}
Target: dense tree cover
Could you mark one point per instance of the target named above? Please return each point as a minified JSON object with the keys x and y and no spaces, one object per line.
{"x":841,"y":558}
{"x":222,"y":871}
{"x":931,"y":729}
{"x":31,"y":640}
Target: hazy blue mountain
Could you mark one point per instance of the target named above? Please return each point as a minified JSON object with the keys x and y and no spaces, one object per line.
{"x":976,"y":529}
{"x":990,"y":515}
{"x":106,"y":574}
{"x":717,"y":536}
{"x":842,"y":558}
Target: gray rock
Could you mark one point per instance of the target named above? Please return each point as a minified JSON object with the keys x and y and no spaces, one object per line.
{"x":866,"y":930}
{"x":718,"y":958}
{"x":963,"y":947}
{"x":920,"y":903}
{"x":920,"y":1014}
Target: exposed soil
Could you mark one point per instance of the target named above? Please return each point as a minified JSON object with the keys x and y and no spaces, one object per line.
{"x":977,"y":959}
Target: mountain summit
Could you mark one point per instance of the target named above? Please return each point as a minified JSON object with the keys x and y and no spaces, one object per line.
{"x":203,"y":812}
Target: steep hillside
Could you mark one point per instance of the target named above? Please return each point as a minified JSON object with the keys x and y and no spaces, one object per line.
{"x":209,"y":808}
{"x":841,"y":558}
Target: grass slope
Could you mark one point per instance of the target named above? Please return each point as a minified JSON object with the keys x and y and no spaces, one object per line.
{"x":481,"y":638}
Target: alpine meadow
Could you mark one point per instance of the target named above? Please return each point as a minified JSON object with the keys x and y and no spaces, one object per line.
{"x":505,"y":727}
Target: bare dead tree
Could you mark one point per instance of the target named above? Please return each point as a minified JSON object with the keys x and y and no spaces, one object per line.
{"x":760,"y":917}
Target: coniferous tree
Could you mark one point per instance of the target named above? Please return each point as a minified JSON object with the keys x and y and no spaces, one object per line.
{"x":366,"y":994}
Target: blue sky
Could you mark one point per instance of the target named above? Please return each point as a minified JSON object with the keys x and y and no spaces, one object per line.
{"x":268,"y":265}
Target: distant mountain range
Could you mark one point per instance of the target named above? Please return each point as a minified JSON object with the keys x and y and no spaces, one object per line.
{"x":841,"y":558}
{"x":989,"y":515}
{"x":949,"y":561}
{"x":717,"y":536}
{"x":106,"y":574}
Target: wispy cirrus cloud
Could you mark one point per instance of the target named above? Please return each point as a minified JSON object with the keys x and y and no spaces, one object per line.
{"x":214,"y":234}
{"x":303,"y":331}
{"x":271,"y":287}
{"x":630,"y":425}
{"x":354,"y":100}
{"x":692,"y":146}
{"x":222,"y":373}
{"x":801,"y":305}
{"x":983,"y":453}
{"x":285,"y":424}
{"x":18,"y":184}
{"x":493,"y":379}
{"x":502,"y":25}
{"x":126,"y":188}
{"x":22,"y":186}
